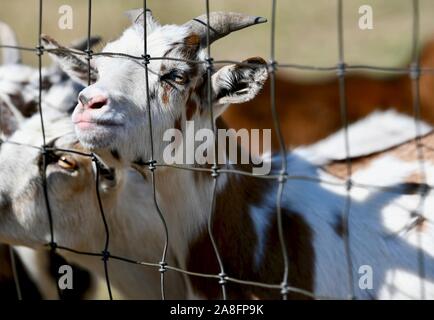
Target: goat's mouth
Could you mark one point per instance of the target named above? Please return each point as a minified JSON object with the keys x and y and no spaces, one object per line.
{"x":92,"y":124}
{"x":85,"y":120}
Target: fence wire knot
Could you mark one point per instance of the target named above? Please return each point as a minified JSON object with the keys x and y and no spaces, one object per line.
{"x":163,"y":266}
{"x":285,"y":288}
{"x":209,"y":63}
{"x":53,"y":245}
{"x":151,"y":165}
{"x":105,"y":255}
{"x":89,"y":54}
{"x":215,"y":171}
{"x":349,"y":184}
{"x":272,"y":66}
{"x":283,"y":176}
{"x":146,"y":59}
{"x":45,"y":150}
{"x":341,"y":69}
{"x":222,"y":278}
{"x":415,"y":71}
{"x":39,"y":50}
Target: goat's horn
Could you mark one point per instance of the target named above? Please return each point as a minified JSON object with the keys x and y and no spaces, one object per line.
{"x":221,"y":24}
{"x":8,"y":37}
{"x":136,"y":16}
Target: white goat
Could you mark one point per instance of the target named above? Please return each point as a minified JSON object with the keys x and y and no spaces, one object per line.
{"x":389,"y":231}
{"x":19,"y":84}
{"x":76,"y":215}
{"x":18,"y":100}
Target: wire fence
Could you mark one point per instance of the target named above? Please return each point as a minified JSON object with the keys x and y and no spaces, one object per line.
{"x":222,"y":278}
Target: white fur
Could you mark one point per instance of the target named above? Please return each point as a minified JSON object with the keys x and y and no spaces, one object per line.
{"x":379,"y":131}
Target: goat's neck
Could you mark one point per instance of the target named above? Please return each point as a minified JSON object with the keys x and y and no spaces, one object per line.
{"x":185,"y":199}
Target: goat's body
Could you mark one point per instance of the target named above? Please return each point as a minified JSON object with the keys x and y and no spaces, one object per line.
{"x":245,"y":228}
{"x":244,"y":225}
{"x":378,"y":237}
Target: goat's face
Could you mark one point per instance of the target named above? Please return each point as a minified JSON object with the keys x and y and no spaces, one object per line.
{"x":70,"y":185}
{"x":112,"y":112}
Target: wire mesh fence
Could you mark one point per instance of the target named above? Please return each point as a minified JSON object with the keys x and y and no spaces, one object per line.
{"x":151,"y":165}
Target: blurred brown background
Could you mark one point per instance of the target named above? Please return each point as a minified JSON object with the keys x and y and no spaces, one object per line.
{"x":306,"y":29}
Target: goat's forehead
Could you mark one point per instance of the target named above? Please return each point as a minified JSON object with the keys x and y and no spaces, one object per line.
{"x":159,"y":42}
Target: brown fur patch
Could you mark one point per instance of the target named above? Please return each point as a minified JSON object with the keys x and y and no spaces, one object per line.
{"x":236,"y":239}
{"x":177,"y":124}
{"x":6,"y":272}
{"x":192,"y":40}
{"x":190,"y":46}
{"x":165,"y":95}
{"x":191,"y":109}
{"x":253,"y":60}
{"x":406,"y":152}
{"x":339,"y":226}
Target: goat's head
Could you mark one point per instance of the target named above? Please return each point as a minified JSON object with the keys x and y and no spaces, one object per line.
{"x":112,"y":112}
{"x":70,"y":180}
{"x":19,"y":84}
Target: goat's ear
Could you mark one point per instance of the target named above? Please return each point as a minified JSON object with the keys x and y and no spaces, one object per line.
{"x":10,"y":119}
{"x":81,"y":44}
{"x":239,"y":83}
{"x":73,"y":64}
{"x":136,"y":16}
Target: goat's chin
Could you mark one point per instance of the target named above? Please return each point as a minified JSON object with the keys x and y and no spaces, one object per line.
{"x":96,"y":139}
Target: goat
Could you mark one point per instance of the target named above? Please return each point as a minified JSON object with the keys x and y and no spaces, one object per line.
{"x":18,"y":101}
{"x":110,"y":118}
{"x":19,"y":84}
{"x":76,"y":215}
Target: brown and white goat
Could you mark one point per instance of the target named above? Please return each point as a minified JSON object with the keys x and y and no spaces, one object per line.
{"x":384,"y":230}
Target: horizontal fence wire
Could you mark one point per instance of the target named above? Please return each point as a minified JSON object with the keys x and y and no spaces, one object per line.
{"x":414,"y":71}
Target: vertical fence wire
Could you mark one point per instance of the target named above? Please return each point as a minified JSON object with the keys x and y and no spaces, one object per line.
{"x":39,"y":53}
{"x":341,"y":69}
{"x":222,"y":275}
{"x":415,"y":88}
{"x":105,"y":253}
{"x":152,"y":162}
{"x":283,"y":170}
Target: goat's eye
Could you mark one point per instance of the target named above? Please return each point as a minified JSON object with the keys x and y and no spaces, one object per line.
{"x":67,"y":163}
{"x":175,"y":76}
{"x":179,"y":78}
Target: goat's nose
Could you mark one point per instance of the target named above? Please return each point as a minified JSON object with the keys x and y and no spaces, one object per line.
{"x":95,"y":102}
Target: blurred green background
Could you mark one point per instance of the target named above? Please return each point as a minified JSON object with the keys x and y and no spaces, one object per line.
{"x":306,"y":29}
